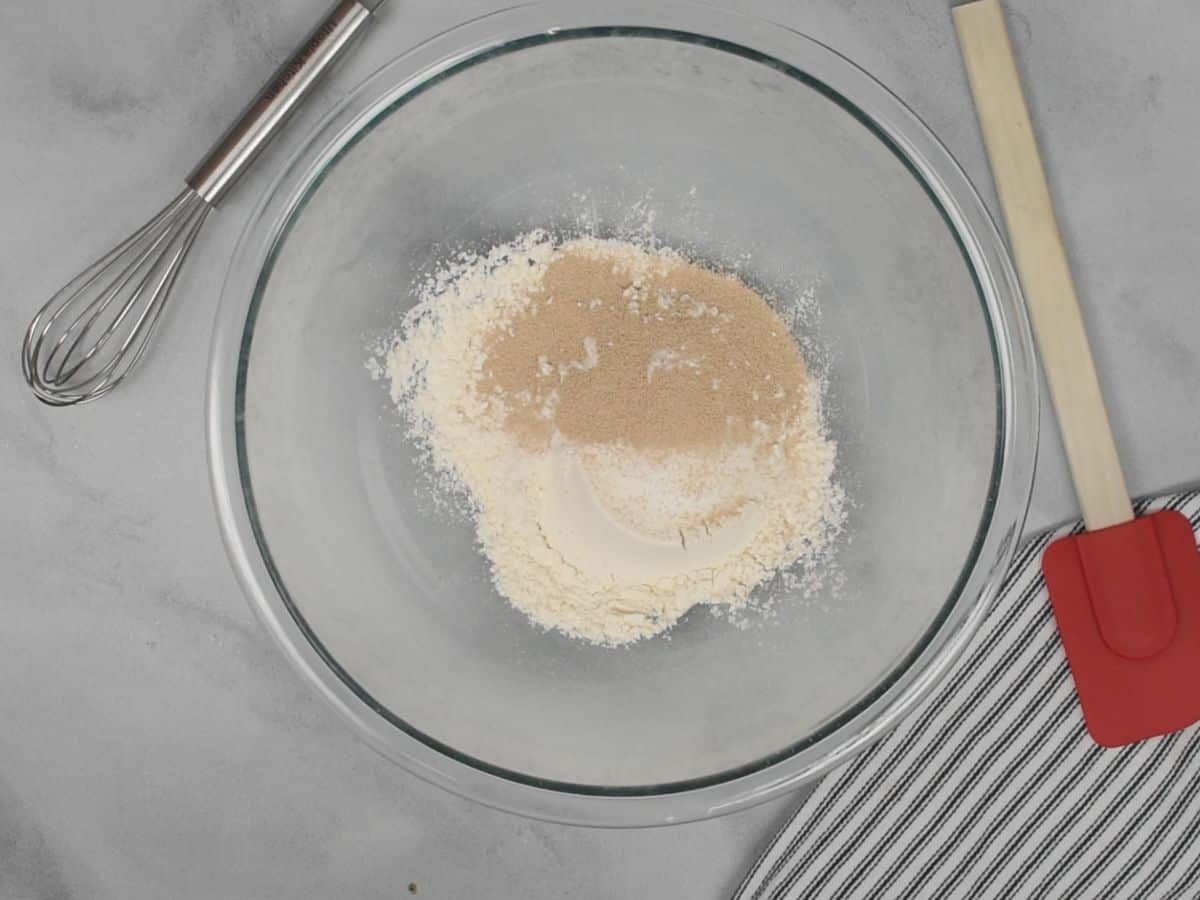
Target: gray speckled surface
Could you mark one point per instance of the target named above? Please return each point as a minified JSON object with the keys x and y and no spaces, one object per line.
{"x":153,"y":742}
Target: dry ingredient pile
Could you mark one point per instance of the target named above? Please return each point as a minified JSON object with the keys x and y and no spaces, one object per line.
{"x":636,"y":434}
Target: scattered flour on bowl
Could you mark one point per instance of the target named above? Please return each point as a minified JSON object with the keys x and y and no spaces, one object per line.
{"x":636,"y":434}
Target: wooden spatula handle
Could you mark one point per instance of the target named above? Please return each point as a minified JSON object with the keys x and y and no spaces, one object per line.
{"x":1042,"y":264}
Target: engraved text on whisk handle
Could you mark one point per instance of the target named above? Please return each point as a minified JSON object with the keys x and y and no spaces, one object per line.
{"x":267,"y":113}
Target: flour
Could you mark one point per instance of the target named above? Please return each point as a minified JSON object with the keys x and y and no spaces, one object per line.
{"x":636,"y":435}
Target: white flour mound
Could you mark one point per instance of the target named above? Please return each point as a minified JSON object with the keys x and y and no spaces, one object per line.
{"x":600,"y":542}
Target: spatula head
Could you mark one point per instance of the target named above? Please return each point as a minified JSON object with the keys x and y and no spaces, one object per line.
{"x":1127,"y":603}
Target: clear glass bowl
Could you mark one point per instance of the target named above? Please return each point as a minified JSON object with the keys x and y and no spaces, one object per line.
{"x":743,"y":141}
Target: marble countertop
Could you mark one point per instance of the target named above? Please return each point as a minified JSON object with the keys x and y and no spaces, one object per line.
{"x":153,"y":742}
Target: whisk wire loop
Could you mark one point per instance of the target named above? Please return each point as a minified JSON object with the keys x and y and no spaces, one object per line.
{"x":119,"y":297}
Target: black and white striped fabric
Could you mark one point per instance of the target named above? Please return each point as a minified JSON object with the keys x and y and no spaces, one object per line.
{"x":992,"y":788}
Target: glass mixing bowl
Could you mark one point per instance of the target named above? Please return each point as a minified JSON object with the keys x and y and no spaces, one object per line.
{"x":748,"y":144}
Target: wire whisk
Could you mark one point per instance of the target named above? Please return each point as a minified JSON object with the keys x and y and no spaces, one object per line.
{"x":91,"y":334}
{"x":114,"y":303}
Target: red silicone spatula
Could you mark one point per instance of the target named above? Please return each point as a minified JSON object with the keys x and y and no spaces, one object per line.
{"x":1126,"y":592}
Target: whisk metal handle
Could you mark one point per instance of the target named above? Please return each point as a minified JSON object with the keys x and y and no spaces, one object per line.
{"x":268,"y":112}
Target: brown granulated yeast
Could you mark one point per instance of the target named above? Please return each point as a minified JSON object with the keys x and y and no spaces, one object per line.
{"x":622,"y":346}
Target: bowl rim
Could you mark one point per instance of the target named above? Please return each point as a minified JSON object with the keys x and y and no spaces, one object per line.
{"x":893,"y":123}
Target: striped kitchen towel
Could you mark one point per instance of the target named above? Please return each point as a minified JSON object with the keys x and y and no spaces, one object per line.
{"x":991,"y":787}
